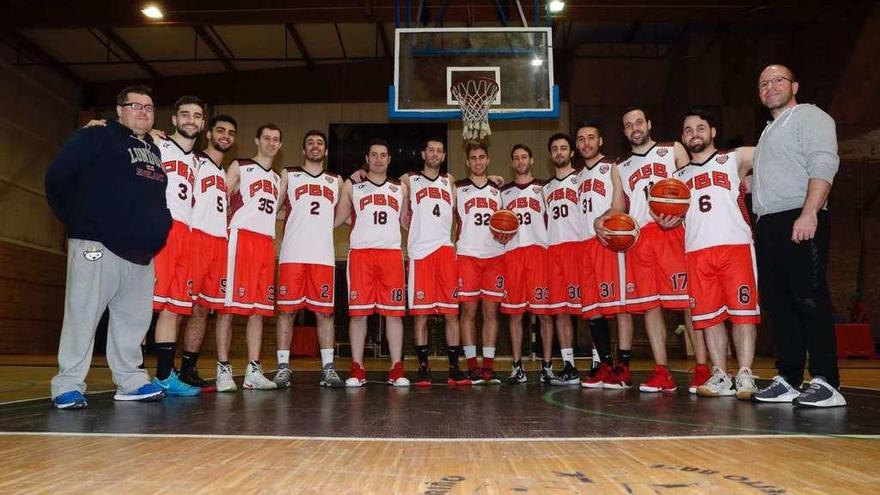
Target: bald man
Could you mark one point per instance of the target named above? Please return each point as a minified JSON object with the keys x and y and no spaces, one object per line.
{"x":794,"y":166}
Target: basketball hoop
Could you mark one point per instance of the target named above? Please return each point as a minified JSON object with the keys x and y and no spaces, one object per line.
{"x":475,"y":96}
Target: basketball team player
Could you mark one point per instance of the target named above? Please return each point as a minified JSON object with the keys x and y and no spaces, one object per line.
{"x":480,"y":262}
{"x":172,"y":296}
{"x":564,"y":249}
{"x":718,"y":240}
{"x":432,"y":287}
{"x":376,"y":207}
{"x":600,"y":272}
{"x":306,"y":274}
{"x":656,"y":272}
{"x":525,"y":259}
{"x":254,"y":194}
{"x":209,"y":246}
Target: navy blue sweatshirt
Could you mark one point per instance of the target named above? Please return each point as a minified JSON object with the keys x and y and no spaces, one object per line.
{"x":107,"y":185}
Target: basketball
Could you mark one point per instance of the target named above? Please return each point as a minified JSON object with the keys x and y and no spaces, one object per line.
{"x":669,"y":197}
{"x":503,"y":222}
{"x":625,"y":231}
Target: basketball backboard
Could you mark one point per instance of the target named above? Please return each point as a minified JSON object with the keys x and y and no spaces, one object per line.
{"x":429,"y":61}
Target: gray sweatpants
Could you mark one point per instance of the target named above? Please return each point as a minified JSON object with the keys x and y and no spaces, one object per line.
{"x":96,"y":279}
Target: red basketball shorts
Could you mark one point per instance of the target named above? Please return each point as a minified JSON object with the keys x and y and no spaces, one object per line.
{"x":480,"y":278}
{"x":602,"y":272}
{"x":375,"y":282}
{"x":433,"y":280}
{"x":209,"y":269}
{"x":250,"y":274}
{"x":173,"y":266}
{"x":723,"y":285}
{"x":525,"y":270}
{"x":564,"y":277}
{"x":306,"y":285}
{"x":656,"y":272}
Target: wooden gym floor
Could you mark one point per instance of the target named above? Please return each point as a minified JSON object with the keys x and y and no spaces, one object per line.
{"x":450,"y":440}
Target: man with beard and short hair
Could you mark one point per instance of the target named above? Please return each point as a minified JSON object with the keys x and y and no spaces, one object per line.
{"x":172,"y":296}
{"x":601,"y":285}
{"x":376,"y":207}
{"x":307,"y":260}
{"x":209,"y":243}
{"x":656,"y":274}
{"x":795,"y":163}
{"x":432,"y":287}
{"x":720,"y":254}
{"x":480,"y":261}
{"x":525,"y":259}
{"x":564,"y":253}
{"x":255,"y":191}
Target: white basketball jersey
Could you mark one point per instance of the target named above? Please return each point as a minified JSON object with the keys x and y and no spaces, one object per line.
{"x":209,"y":210}
{"x":308,"y":230}
{"x":596,"y":191}
{"x":376,"y":215}
{"x":564,"y":218}
{"x":255,"y":205}
{"x":474,"y":207}
{"x":180,"y":167}
{"x":430,"y":202}
{"x":527,"y":202}
{"x":639,"y":172}
{"x":717,"y":215}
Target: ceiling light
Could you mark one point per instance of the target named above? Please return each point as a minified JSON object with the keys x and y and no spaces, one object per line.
{"x":152,"y":12}
{"x":537,"y":62}
{"x":556,"y":6}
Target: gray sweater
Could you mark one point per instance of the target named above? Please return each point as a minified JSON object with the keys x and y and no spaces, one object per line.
{"x":798,"y":145}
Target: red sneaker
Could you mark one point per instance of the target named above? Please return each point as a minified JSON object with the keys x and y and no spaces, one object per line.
{"x":660,"y":381}
{"x":396,"y":376}
{"x":701,"y":376}
{"x":423,"y":377}
{"x":357,"y":376}
{"x":620,"y":379}
{"x":603,"y":374}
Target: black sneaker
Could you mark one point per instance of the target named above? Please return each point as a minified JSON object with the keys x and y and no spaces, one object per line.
{"x":569,"y":376}
{"x":457,"y":377}
{"x":476,"y":376}
{"x":191,"y":376}
{"x":548,"y":375}
{"x":517,"y":375}
{"x":490,"y":378}
{"x":423,"y":377}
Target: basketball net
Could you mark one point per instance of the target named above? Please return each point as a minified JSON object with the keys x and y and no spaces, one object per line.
{"x":475,"y":96}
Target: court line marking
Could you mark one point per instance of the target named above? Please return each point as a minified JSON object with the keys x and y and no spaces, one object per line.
{"x":426,"y":440}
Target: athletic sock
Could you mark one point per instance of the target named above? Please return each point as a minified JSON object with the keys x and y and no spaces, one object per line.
{"x":596,"y":360}
{"x":326,"y":356}
{"x":453,"y":352}
{"x":517,"y":364}
{"x":422,"y":354}
{"x":625,"y":355}
{"x":283,"y":359}
{"x":164,"y":359}
{"x":188,"y":360}
{"x":470,"y":353}
{"x":567,"y":355}
{"x":601,"y":334}
{"x":488,"y":357}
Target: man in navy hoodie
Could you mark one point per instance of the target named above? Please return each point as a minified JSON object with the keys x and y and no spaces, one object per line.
{"x":108,"y":188}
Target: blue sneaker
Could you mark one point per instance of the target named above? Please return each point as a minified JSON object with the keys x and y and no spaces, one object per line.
{"x":148,"y":392}
{"x":173,"y":386}
{"x":70,"y":400}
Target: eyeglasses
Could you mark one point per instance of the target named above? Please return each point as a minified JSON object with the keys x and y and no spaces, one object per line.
{"x":776,"y":81}
{"x":139,"y":106}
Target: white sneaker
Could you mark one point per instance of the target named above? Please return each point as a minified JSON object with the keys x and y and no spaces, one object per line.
{"x":745,"y":384}
{"x":255,"y":379}
{"x":718,"y":385}
{"x":225,"y":383}
{"x":819,"y":394}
